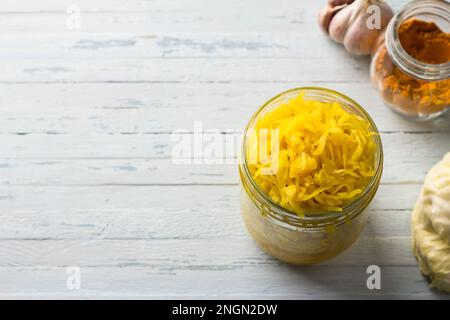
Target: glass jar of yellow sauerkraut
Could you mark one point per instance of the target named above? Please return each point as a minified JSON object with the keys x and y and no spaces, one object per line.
{"x":312,"y":236}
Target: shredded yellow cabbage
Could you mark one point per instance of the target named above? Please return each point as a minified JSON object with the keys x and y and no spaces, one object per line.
{"x":324,"y":155}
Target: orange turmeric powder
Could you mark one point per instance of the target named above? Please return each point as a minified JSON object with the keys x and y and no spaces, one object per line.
{"x":427,"y":43}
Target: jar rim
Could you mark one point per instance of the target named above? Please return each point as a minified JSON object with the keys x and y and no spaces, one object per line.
{"x":280,"y":213}
{"x":400,"y":57}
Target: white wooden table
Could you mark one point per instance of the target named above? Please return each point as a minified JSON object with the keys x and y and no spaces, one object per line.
{"x":86,"y":175}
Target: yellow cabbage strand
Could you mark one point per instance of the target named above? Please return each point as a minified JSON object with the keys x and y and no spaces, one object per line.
{"x":326,"y":155}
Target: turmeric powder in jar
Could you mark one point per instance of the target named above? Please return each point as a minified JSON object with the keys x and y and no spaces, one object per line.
{"x":411,"y":67}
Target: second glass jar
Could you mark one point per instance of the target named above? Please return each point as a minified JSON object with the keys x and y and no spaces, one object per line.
{"x":415,"y":89}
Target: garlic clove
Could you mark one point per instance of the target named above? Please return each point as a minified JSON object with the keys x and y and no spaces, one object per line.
{"x":340,"y":22}
{"x":334,"y":3}
{"x":359,"y":40}
{"x":326,"y":15}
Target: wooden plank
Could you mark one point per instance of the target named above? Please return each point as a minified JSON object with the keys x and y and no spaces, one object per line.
{"x":275,"y":282}
{"x":180,"y":70}
{"x":179,"y":254}
{"x":416,"y":152}
{"x":218,"y":8}
{"x":156,"y":223}
{"x":200,"y":19}
{"x":173,"y":6}
{"x":158,"y":197}
{"x":154,"y":107}
{"x":148,"y":44}
{"x":160,"y":168}
{"x":150,"y":212}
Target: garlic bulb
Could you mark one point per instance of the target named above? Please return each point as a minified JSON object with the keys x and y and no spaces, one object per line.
{"x":356,"y":24}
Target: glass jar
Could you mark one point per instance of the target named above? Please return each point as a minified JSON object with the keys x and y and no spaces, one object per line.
{"x":412,"y":88}
{"x":317,"y":236}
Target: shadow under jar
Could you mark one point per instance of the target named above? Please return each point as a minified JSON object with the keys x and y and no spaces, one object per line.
{"x":411,"y":64}
{"x":315,"y":236}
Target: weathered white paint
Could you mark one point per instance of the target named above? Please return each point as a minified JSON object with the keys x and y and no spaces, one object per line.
{"x":145,"y":159}
{"x":174,"y":70}
{"x":285,"y":282}
{"x":140,"y":212}
{"x":85,"y":171}
{"x":155,"y":106}
{"x":216,"y":8}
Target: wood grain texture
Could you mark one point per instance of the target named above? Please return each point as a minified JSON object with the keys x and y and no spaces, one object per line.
{"x":87,"y":176}
{"x":285,"y":282}
{"x":147,"y":159}
{"x":141,"y":212}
